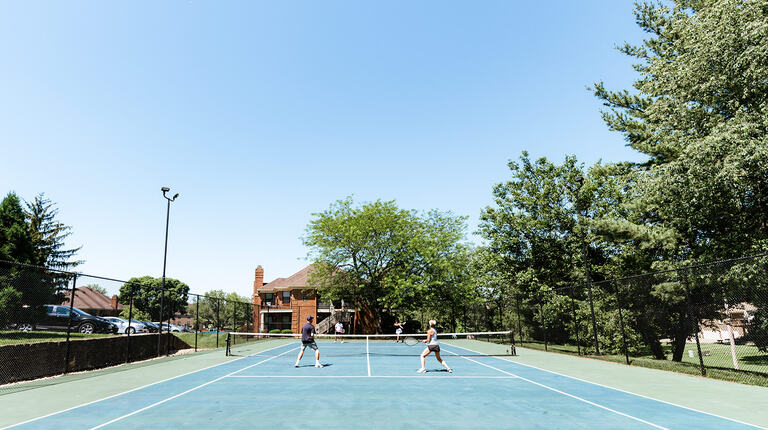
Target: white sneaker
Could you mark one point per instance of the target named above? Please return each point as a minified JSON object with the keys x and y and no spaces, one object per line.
{"x":422,"y":370}
{"x":450,"y":370}
{"x":342,"y":341}
{"x":296,"y":365}
{"x":318,"y":365}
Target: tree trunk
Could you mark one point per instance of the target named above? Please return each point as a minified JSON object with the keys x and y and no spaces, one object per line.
{"x":681,"y":335}
{"x":651,"y":338}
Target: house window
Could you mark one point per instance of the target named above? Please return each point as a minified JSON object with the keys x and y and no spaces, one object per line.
{"x":268,"y":298}
{"x":286,"y":297}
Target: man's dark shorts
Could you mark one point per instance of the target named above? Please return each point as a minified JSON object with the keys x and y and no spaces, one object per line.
{"x":433,"y":348}
{"x":310,"y":344}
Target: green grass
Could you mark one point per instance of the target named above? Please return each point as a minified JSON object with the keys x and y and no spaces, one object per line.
{"x":204,"y":340}
{"x":12,"y":337}
{"x":753,"y":364}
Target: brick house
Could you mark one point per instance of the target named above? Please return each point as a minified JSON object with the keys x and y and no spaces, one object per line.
{"x":94,"y":303}
{"x":285,"y":303}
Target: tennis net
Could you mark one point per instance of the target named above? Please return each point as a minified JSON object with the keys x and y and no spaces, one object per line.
{"x":497,"y":343}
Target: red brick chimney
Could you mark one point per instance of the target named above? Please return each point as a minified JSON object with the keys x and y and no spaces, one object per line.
{"x":258,"y":281}
{"x":114,"y":302}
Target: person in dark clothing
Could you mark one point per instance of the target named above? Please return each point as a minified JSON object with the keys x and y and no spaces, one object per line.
{"x":308,"y":341}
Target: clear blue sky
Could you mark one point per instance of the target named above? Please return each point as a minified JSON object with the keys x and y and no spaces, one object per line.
{"x":260,"y":113}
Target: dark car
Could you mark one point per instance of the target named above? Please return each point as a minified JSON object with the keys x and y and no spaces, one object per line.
{"x":151,"y":327}
{"x":56,"y":317}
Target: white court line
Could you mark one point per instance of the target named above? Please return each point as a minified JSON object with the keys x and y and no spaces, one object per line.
{"x":618,"y":389}
{"x":188,"y":391}
{"x":367,"y":356}
{"x":131,"y":390}
{"x":566,"y":394}
{"x":362,"y":376}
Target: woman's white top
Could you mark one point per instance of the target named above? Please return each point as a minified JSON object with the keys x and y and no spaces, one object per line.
{"x":433,"y":338}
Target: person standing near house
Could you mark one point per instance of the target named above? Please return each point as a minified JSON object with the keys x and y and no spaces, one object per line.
{"x":339,"y":328}
{"x":432,"y":346}
{"x":308,"y":341}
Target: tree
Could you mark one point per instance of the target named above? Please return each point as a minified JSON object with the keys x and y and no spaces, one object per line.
{"x":219,"y":309}
{"x":135,"y":314}
{"x":48,"y":235}
{"x":18,"y":284}
{"x":698,"y":112}
{"x":97,"y":287}
{"x":146,"y":294}
{"x":15,"y":242}
{"x":379,"y":255}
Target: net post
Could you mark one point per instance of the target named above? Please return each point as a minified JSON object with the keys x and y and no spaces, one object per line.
{"x":228,"y":349}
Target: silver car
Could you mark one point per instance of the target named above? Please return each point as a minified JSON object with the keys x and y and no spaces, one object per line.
{"x":123,"y":327}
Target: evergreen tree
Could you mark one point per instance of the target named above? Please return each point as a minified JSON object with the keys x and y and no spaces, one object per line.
{"x":48,"y":235}
{"x":15,"y":241}
{"x":698,"y":111}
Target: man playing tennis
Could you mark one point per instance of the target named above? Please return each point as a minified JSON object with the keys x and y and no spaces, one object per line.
{"x":432,"y":346}
{"x":339,"y":328}
{"x":308,"y":341}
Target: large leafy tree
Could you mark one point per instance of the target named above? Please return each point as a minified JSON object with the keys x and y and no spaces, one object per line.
{"x":381,"y":256}
{"x":545,"y":229}
{"x":698,"y":112}
{"x":146,"y":294}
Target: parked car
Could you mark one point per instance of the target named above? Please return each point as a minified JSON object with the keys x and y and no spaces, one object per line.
{"x":174,"y":328}
{"x":123,"y":327}
{"x":56,"y":317}
{"x":151,"y":327}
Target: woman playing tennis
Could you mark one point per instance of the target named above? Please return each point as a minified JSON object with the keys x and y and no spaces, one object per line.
{"x":432,"y":346}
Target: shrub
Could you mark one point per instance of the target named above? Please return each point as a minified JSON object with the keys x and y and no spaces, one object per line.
{"x":275,"y":330}
{"x":287,"y":331}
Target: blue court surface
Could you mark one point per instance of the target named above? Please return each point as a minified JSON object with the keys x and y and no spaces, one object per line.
{"x":375,"y":385}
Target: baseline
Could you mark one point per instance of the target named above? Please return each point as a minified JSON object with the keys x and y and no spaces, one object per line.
{"x":363,"y":376}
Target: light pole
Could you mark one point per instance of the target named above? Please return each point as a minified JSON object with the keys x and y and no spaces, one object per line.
{"x":580,"y":181}
{"x":165,"y":257}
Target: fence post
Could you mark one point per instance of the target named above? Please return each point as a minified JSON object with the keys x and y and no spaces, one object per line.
{"x":218,"y":321}
{"x":69,"y":322}
{"x":519,"y":326}
{"x":621,"y":324}
{"x":694,"y":319}
{"x":130,"y":317}
{"x":160,"y":323}
{"x":197,"y":318}
{"x":575,"y":322}
{"x":543,"y":325}
{"x":168,"y":333}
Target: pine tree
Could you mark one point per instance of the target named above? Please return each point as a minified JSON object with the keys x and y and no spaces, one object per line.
{"x":48,"y":235}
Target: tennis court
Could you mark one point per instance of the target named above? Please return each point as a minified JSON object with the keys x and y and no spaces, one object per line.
{"x":373,"y":383}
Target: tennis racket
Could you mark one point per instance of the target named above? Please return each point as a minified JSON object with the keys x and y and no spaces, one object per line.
{"x":411,"y":341}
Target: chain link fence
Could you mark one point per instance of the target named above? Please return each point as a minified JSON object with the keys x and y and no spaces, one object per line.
{"x":709,"y":319}
{"x":55,"y":322}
